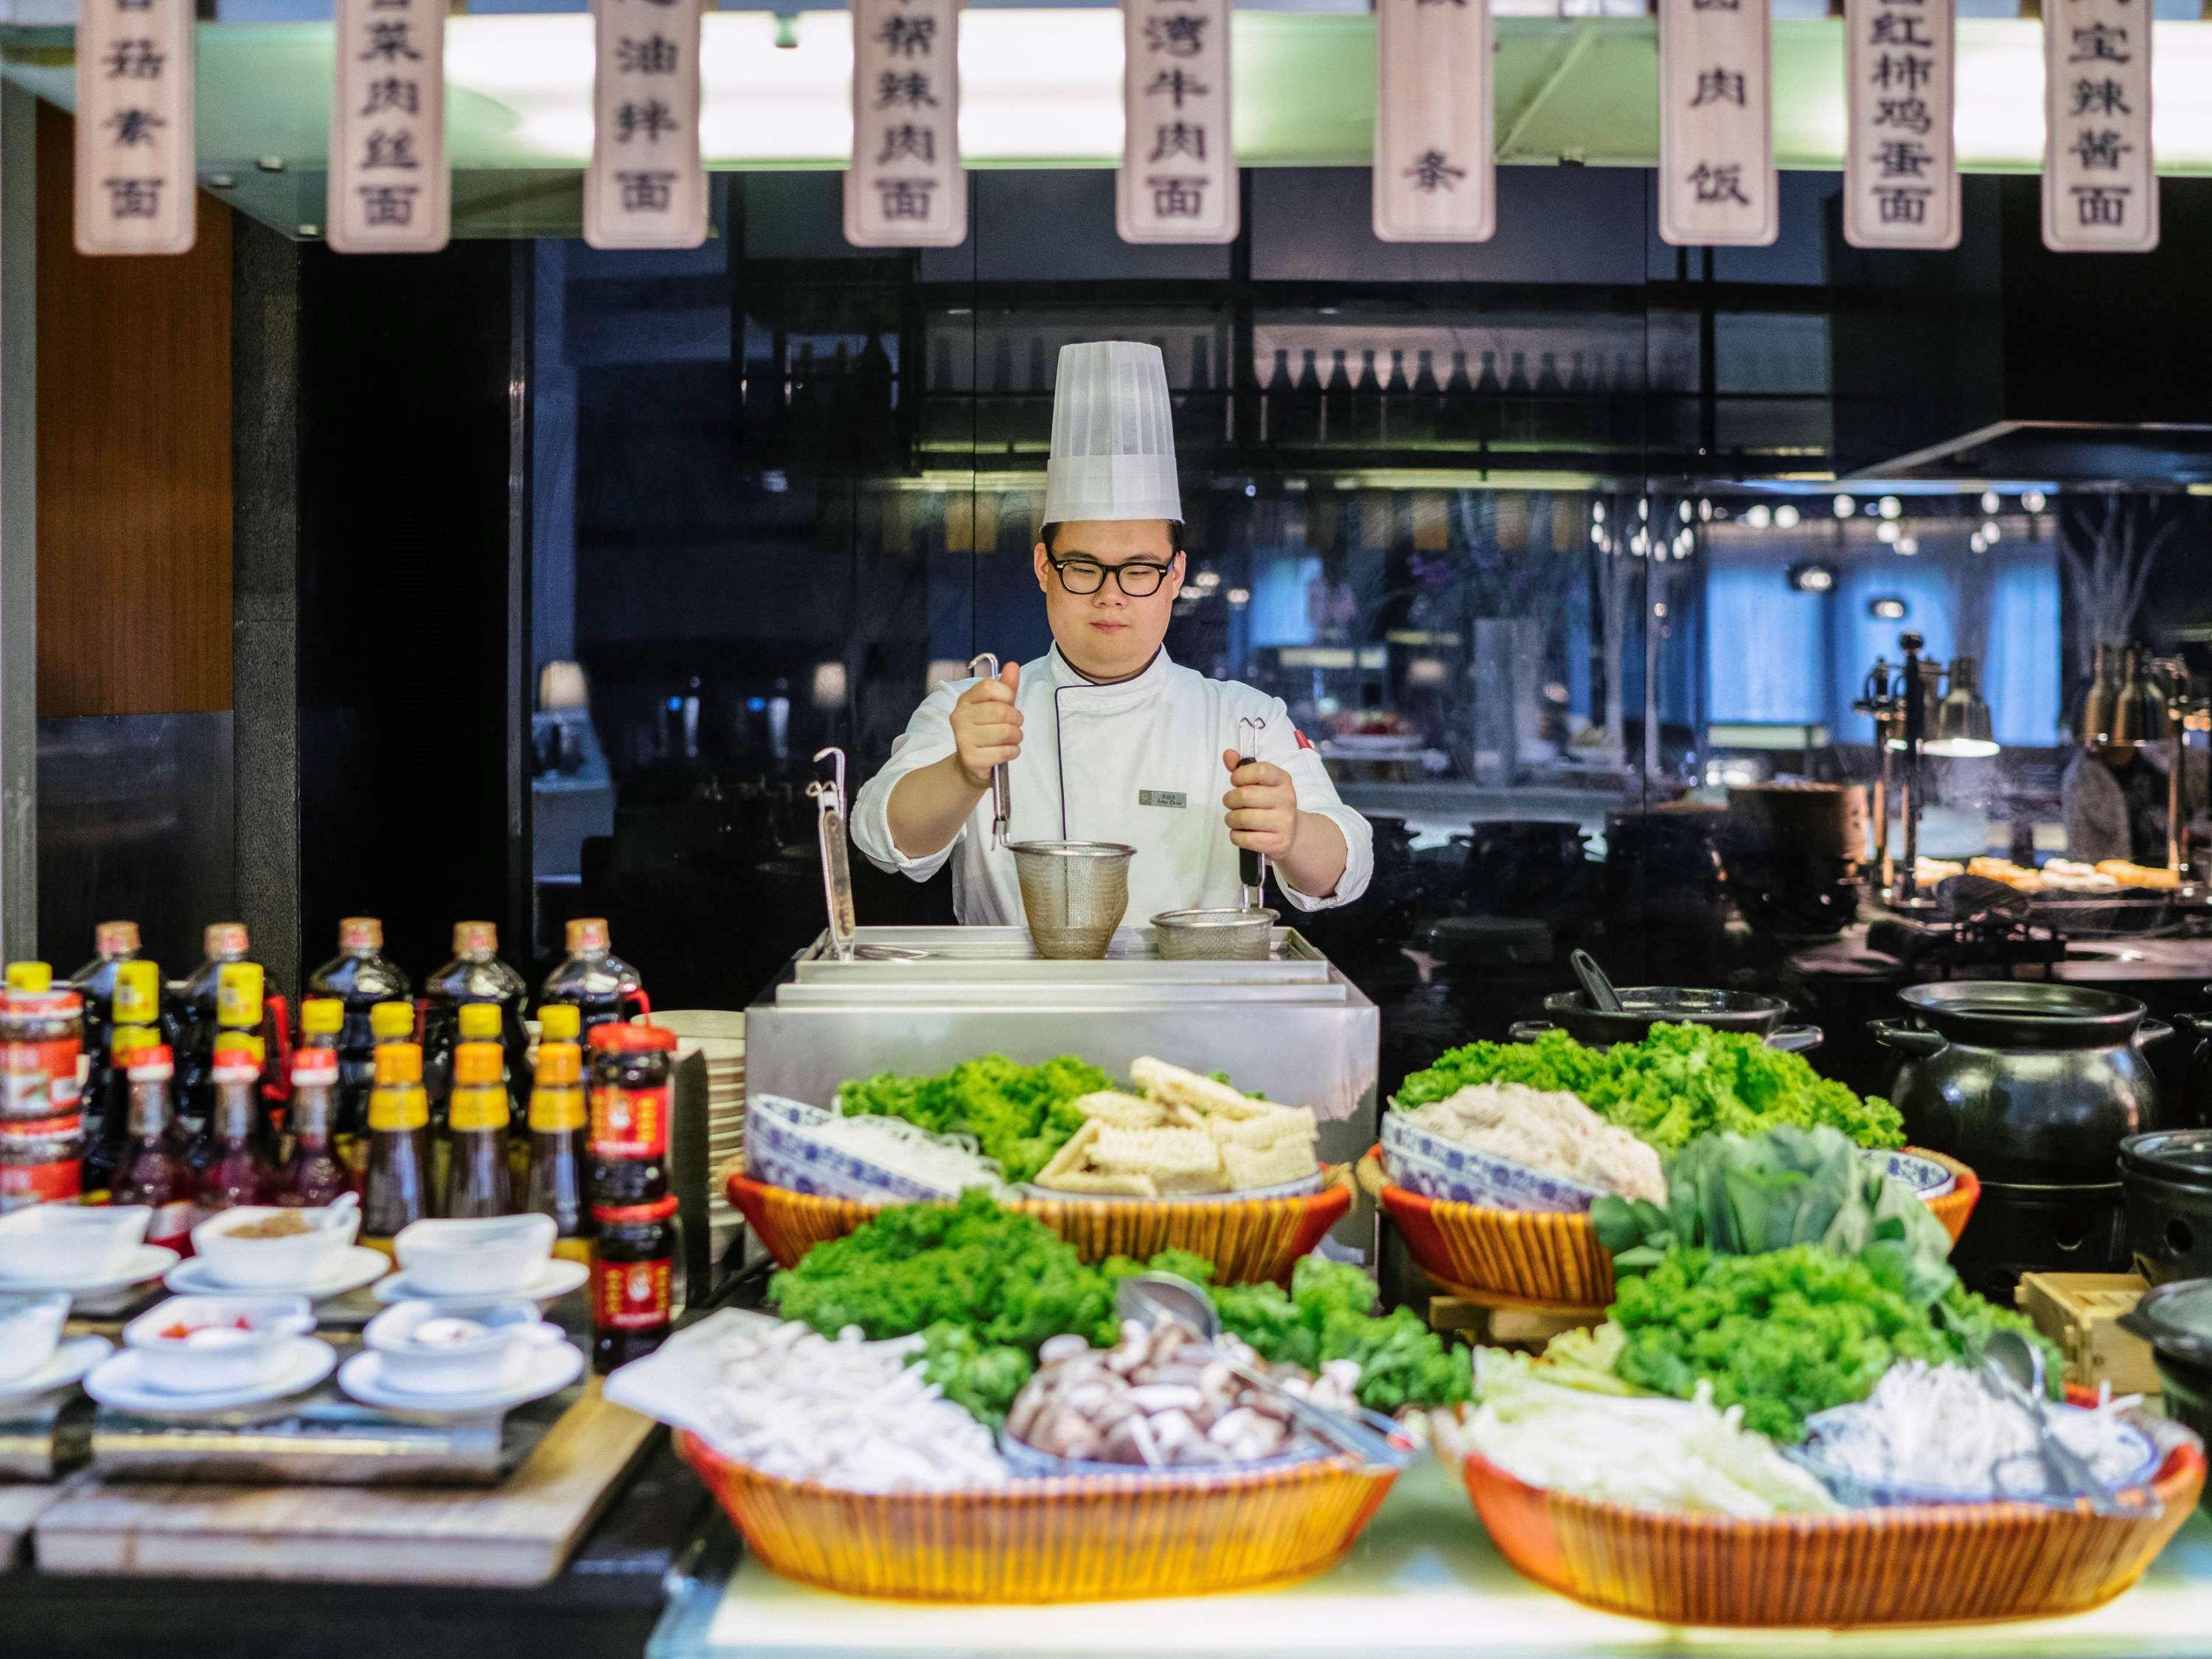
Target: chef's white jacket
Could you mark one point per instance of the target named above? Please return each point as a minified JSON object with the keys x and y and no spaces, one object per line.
{"x":1137,"y":761}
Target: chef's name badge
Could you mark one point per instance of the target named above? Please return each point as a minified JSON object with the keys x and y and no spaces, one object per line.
{"x":1162,"y":797}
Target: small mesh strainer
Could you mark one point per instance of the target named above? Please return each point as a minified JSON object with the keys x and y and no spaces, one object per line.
{"x":1073,"y":893}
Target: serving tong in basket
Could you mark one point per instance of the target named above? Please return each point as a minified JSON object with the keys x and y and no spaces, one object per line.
{"x":2012,"y":1370}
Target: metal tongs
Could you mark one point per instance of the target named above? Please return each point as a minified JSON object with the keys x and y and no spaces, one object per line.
{"x":985,"y":665}
{"x":828,"y":793}
{"x":1251,"y":865}
{"x":2012,"y":1368}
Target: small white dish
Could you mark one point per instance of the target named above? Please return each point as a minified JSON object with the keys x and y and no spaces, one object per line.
{"x":280,"y":1263}
{"x":551,"y":1278}
{"x":354,"y":1266}
{"x":429,"y":1350}
{"x":550,"y":1369}
{"x":66,"y":1366}
{"x":489,"y":1256}
{"x":126,"y":1384}
{"x":148,"y":1261}
{"x":60,"y":1246}
{"x":226,"y":1342}
{"x":30,"y":1330}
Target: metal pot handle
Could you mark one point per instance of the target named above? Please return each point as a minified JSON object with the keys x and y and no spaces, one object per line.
{"x":1796,"y":1039}
{"x":2152,"y":1030}
{"x":1527,"y":1030}
{"x":2198,"y":1025}
{"x":1907,"y":1039}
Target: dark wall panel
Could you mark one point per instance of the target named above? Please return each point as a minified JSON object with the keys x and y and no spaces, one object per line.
{"x":411,"y":712}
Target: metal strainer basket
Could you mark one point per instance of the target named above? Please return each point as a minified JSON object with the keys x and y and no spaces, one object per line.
{"x":1073,"y":893}
{"x":1215,"y":935}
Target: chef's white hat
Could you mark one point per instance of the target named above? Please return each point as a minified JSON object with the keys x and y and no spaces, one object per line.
{"x":1113,"y":435}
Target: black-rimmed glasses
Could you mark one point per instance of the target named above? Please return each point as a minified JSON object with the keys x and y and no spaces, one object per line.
{"x":1138,"y":578}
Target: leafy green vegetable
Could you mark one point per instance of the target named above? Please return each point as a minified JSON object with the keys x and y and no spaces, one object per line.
{"x":1325,"y":1317}
{"x":1788,"y":1333}
{"x":1679,"y":1083}
{"x":1019,"y":1114}
{"x":1742,"y":1196}
{"x":981,"y":1377}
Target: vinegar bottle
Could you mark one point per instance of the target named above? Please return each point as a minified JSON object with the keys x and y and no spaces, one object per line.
{"x":237,"y":1170}
{"x":556,"y":1182}
{"x":152,"y":1172}
{"x":476,"y":1178}
{"x":398,"y":1189}
{"x":313,"y":1174}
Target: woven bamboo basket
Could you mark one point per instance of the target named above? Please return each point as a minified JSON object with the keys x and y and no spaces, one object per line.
{"x":1542,"y":1259}
{"x":1247,"y":1241}
{"x":1086,"y":1539}
{"x":1948,"y":1563}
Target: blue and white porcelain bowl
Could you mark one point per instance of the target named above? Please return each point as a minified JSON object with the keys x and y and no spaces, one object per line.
{"x":783,"y":1149}
{"x":1923,"y":1175}
{"x":1439,"y":1168}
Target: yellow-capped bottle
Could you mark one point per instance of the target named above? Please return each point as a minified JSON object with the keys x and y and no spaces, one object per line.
{"x":397,"y":1190}
{"x":106,"y":1146}
{"x":478,"y":1179}
{"x":555,"y":1185}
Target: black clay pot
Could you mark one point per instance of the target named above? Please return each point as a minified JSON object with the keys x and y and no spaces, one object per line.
{"x":1643,"y":1007}
{"x":2167,"y":1178}
{"x":2034,"y":1086}
{"x":2173,"y":1320}
{"x":2197,"y":1091}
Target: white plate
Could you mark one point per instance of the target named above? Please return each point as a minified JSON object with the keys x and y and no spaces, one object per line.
{"x":120,"y":1382}
{"x":146,"y":1261}
{"x":549,"y":1369}
{"x":556,"y":1278}
{"x":358,"y":1267}
{"x":67,"y":1363}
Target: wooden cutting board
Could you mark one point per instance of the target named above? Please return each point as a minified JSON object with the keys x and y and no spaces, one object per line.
{"x":517,"y":1534}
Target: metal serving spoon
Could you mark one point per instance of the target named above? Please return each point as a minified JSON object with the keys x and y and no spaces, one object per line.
{"x":1149,"y":1298}
{"x":1595,"y":986}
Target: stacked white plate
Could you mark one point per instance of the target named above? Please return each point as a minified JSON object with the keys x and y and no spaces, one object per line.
{"x":719,"y":1035}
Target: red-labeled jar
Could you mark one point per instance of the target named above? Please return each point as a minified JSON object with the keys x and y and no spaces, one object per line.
{"x":42,"y":1034}
{"x":633,"y":1281}
{"x":627,"y":1147}
{"x":41,"y":1161}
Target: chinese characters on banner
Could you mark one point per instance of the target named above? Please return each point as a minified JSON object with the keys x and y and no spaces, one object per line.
{"x":1435,"y":178}
{"x":135,"y":180}
{"x":647,"y":186}
{"x":2099,"y":190}
{"x":389,"y":191}
{"x":1716,"y":122}
{"x":905,"y":187}
{"x":1178,"y":176}
{"x":1900,"y":166}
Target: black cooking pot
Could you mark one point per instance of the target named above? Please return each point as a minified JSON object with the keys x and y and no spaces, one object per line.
{"x":2176,"y":1320}
{"x":2033,"y":1083}
{"x":1643,"y":1007}
{"x":2034,"y":1086}
{"x":2166,"y":1178}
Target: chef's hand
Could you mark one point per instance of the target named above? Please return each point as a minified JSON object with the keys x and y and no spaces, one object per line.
{"x":1263,"y":806}
{"x":987,"y":727}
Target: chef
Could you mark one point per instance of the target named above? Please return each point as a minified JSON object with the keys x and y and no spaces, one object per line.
{"x":1104,"y":738}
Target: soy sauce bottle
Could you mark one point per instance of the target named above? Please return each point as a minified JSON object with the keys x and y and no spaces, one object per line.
{"x":360,"y":976}
{"x":599,"y":984}
{"x":475,"y":975}
{"x":397,"y":1190}
{"x":215,"y":1000}
{"x":113,"y":943}
{"x":477,"y":1182}
{"x":555,"y":1184}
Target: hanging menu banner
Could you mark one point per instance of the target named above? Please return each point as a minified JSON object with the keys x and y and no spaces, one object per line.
{"x":647,"y":186}
{"x":1178,"y":176}
{"x":389,"y":190}
{"x":1716,"y":183}
{"x":904,"y":187}
{"x":1900,"y":164}
{"x":1435,"y":174}
{"x":2099,"y":188}
{"x":135,"y":185}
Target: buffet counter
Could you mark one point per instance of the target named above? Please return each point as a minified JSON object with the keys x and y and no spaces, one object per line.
{"x":1424,"y":1579}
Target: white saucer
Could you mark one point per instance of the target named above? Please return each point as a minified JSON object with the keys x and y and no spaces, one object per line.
{"x":67,"y":1365}
{"x":358,"y":1267}
{"x":547,"y":1370}
{"x":556,"y":1278}
{"x":120,"y":1382}
{"x":146,"y":1261}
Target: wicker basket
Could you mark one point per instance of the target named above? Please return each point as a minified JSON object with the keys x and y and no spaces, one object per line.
{"x":1969,"y":1562}
{"x":1091,"y":1538}
{"x":1246,"y":1240}
{"x":1544,"y":1259}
